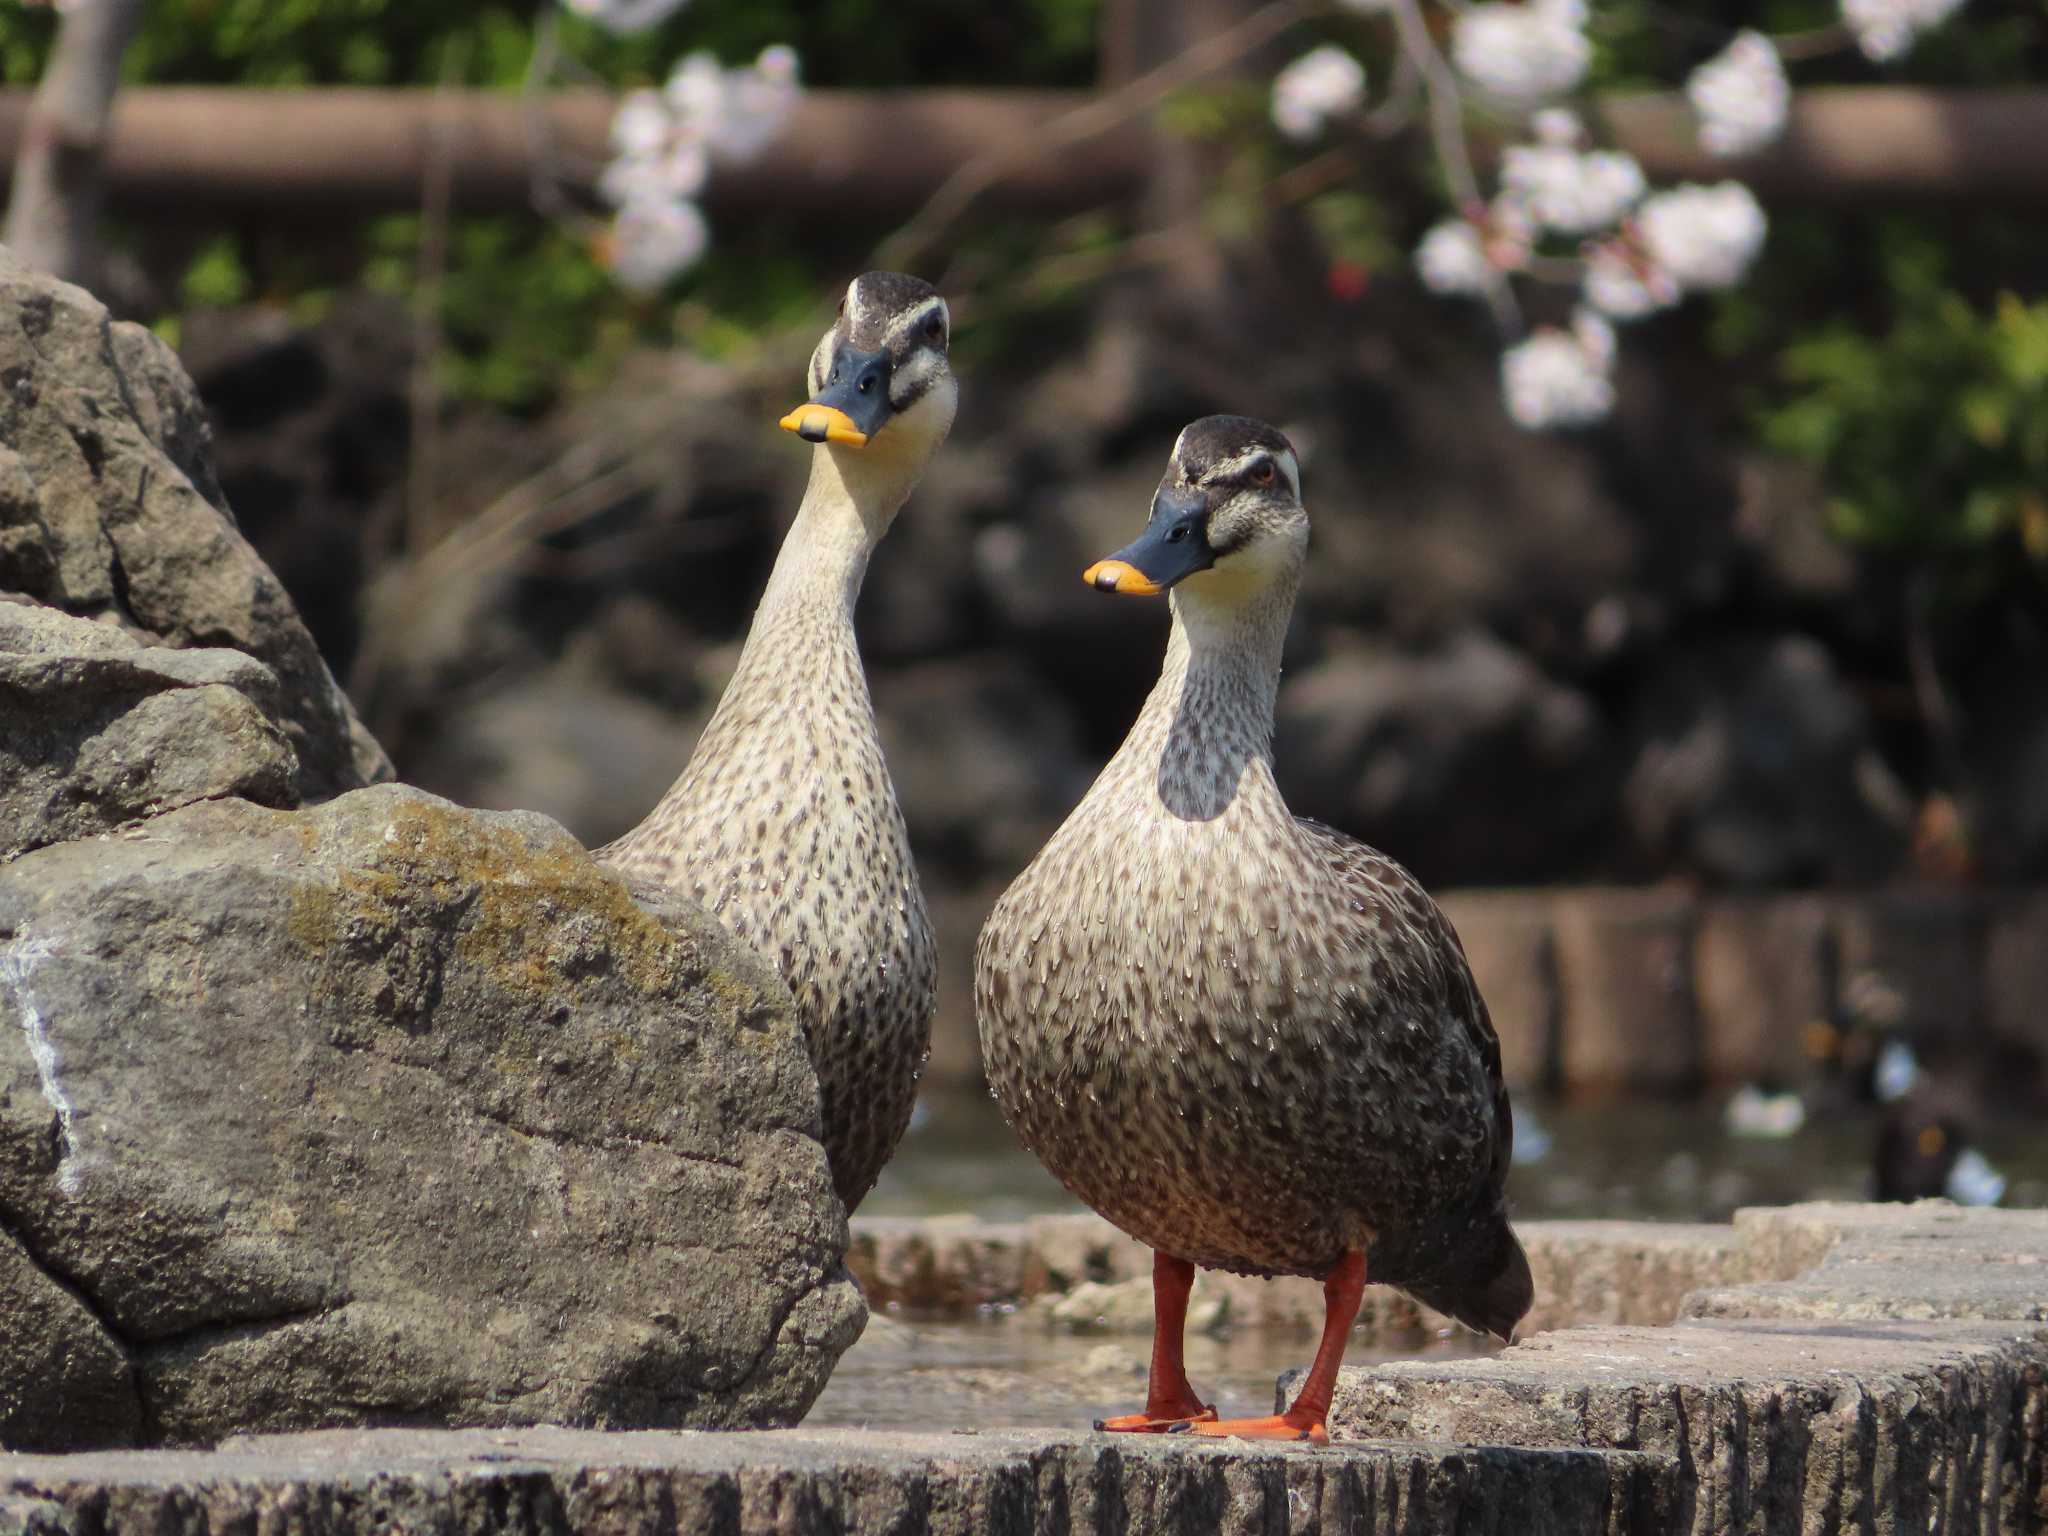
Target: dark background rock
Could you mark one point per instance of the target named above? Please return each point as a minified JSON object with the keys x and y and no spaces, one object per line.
{"x":389,"y":1110}
{"x":109,"y":509}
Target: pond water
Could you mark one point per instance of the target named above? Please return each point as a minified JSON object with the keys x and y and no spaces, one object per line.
{"x":1642,"y":1160}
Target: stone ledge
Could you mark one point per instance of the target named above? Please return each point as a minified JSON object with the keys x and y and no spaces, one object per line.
{"x":1886,"y":1370}
{"x":1884,"y":1427}
{"x":470,"y":1483}
{"x":1586,"y":1271}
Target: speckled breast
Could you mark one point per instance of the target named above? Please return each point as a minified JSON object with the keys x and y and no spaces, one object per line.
{"x":1211,"y":1069}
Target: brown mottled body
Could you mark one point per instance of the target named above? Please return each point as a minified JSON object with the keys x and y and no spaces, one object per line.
{"x":1249,"y":1041}
{"x":785,"y":823}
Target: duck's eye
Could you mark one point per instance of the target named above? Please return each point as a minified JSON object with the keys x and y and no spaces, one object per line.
{"x":1263,"y":472}
{"x":1176,"y":533}
{"x":935,"y":329}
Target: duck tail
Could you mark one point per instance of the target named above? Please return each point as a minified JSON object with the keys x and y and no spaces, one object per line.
{"x":1494,"y":1289}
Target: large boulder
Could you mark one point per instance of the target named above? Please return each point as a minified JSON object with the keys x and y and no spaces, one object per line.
{"x":391,"y":1111}
{"x":104,"y":730}
{"x":109,"y":510}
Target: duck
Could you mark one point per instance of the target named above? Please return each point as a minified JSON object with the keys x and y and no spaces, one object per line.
{"x":784,"y":824}
{"x":1248,"y":1040}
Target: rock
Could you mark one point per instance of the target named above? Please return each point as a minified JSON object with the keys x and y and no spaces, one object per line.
{"x":1885,"y":1427}
{"x":1436,"y":757}
{"x":64,"y":1380}
{"x":1929,"y":1259}
{"x":1624,"y":977}
{"x":312,"y":432}
{"x":984,"y":761}
{"x":1593,"y":1272}
{"x":563,"y":742}
{"x":1761,"y":982}
{"x":1126,"y":1307}
{"x":549,"y":1482}
{"x":1756,"y":766}
{"x":1839,"y":1376}
{"x":109,"y":510}
{"x":1919,"y":953}
{"x":104,"y":730}
{"x":388,"y":1109}
{"x":1508,"y":943}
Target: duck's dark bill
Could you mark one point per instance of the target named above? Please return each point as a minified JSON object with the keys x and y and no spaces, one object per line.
{"x":1120,"y":576}
{"x":816,"y":423}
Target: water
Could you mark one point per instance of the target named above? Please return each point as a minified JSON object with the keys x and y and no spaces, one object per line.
{"x":1641,"y":1160}
{"x":999,"y":1371}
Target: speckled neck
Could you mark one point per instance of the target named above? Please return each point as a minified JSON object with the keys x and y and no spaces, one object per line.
{"x":1210,"y":716}
{"x":850,"y":502}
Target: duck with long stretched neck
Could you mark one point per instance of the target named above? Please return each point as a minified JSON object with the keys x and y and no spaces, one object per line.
{"x":784,"y":824}
{"x":1248,"y":1040}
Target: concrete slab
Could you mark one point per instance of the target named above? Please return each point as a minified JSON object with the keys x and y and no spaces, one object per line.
{"x":469,"y":1483}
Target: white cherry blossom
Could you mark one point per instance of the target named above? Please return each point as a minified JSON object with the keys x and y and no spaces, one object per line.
{"x":1560,"y":378}
{"x":1323,"y":83}
{"x":1621,"y":282}
{"x":1572,"y":193}
{"x":1522,"y":53}
{"x":1704,"y":237}
{"x":641,"y":125}
{"x":1560,"y":126}
{"x":1452,"y":259}
{"x":1886,"y":28}
{"x":626,"y":15}
{"x":1740,"y":95}
{"x":652,"y":242}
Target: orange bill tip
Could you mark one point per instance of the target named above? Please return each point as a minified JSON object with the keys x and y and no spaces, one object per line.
{"x":824,"y":424}
{"x":1120,"y":576}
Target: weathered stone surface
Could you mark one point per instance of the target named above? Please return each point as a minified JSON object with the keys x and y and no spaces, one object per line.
{"x":1927,"y":1260}
{"x":103,"y":730}
{"x":1926,"y":948}
{"x":1509,"y":945}
{"x":1759,"y":983}
{"x":64,"y":1381}
{"x":390,"y":1109}
{"x":2016,"y":969}
{"x":861,"y":1483}
{"x":108,"y":509}
{"x":1882,"y":1428}
{"x":1624,"y":967}
{"x":1623,"y":1271}
{"x":1586,"y":1272}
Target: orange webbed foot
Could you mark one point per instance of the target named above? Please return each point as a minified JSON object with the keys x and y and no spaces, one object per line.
{"x":1275,"y":1426}
{"x":1159,"y":1421}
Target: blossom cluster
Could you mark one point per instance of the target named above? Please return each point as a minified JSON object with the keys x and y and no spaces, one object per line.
{"x":1324,"y":83}
{"x":1636,"y":252}
{"x":625,"y":15}
{"x":664,"y":143}
{"x":1886,"y":28}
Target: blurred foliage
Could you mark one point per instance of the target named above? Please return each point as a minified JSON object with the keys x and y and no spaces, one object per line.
{"x":1878,"y":346}
{"x":1933,"y":436}
{"x":527,"y":309}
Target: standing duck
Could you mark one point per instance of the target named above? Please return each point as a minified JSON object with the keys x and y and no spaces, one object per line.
{"x":1247,"y":1040}
{"x":784,"y":824}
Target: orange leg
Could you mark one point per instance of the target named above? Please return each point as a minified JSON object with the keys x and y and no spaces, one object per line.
{"x":1342,"y":1288}
{"x":1170,"y":1403}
